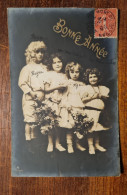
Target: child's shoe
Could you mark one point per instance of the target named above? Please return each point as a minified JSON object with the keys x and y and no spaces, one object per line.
{"x":60,"y":147}
{"x":80,"y":147}
{"x":50,"y":148}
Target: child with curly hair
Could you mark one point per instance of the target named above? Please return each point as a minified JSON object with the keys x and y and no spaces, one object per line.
{"x":55,"y":82}
{"x":29,"y":82}
{"x":71,"y":103}
{"x":93,"y":98}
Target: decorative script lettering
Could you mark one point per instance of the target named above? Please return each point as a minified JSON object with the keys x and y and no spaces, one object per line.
{"x":64,"y":31}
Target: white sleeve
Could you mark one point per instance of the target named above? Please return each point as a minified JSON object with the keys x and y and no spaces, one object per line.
{"x":105,"y":91}
{"x":84,"y":92}
{"x":23,"y":80}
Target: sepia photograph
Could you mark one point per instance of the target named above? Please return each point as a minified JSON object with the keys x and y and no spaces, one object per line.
{"x":64,"y":93}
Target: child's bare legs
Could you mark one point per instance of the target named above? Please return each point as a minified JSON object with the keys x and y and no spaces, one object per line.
{"x":97,"y":144}
{"x":30,"y":132}
{"x":27,"y":132}
{"x":69,"y":138}
{"x":59,"y":146}
{"x":78,"y":146}
{"x":57,"y":142}
{"x":28,"y":138}
{"x":78,"y":137}
{"x":50,"y":142}
{"x":91,"y":143}
{"x":33,"y":133}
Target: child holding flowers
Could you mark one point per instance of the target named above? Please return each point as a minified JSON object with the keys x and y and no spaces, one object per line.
{"x":55,"y":85}
{"x":72,"y":114}
{"x":29,"y":82}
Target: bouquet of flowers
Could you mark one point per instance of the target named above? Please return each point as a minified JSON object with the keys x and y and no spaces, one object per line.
{"x":46,"y":118}
{"x":82,"y":122}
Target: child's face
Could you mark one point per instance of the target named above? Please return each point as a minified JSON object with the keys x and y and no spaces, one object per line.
{"x":74,"y":73}
{"x":93,"y":79}
{"x":57,"y":65}
{"x":38,"y":55}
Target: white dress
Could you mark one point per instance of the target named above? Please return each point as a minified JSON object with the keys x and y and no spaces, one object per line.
{"x":29,"y":80}
{"x":54,"y":98}
{"x":71,"y":103}
{"x":94,"y":107}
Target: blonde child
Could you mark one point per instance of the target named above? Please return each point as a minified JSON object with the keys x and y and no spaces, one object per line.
{"x":55,"y":85}
{"x":93,"y":99}
{"x":72,"y":103}
{"x":30,"y":85}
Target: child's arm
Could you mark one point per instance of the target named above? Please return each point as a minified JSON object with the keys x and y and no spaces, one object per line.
{"x":23,"y":83}
{"x":104,"y":92}
{"x":23,"y":80}
{"x":104,"y":97}
{"x":87,"y":98}
{"x":49,"y":89}
{"x":37,"y":95}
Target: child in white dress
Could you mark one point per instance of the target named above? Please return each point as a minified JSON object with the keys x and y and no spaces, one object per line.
{"x":30,"y":85}
{"x":72,"y":103}
{"x":93,"y":99}
{"x":55,"y":85}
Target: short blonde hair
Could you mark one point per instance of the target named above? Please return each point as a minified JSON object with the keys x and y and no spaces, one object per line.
{"x":33,"y":47}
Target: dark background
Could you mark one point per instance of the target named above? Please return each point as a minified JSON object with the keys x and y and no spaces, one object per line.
{"x":26,"y":25}
{"x":109,"y":185}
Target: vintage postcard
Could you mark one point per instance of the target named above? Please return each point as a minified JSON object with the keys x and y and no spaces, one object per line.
{"x":64,"y":93}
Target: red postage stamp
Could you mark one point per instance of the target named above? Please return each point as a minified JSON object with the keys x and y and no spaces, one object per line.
{"x":105,"y":23}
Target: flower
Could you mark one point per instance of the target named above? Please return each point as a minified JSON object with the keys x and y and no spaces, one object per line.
{"x":45,"y":117}
{"x":82,"y":122}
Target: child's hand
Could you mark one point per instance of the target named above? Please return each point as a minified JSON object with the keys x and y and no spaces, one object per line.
{"x":39,"y":96}
{"x":32,"y":94}
{"x":69,"y":108}
{"x":62,"y":86}
{"x":105,"y":96}
{"x":96,"y":95}
{"x":102,"y":96}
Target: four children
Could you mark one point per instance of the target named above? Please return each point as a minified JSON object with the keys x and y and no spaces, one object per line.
{"x":65,"y":94}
